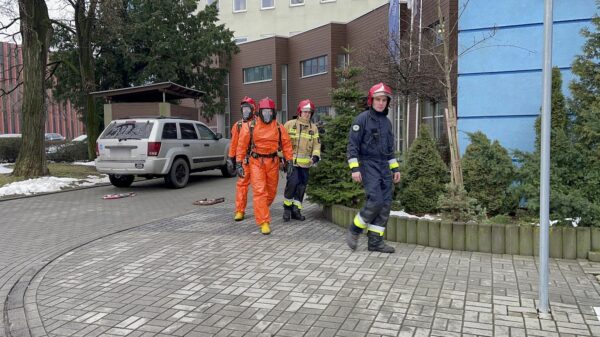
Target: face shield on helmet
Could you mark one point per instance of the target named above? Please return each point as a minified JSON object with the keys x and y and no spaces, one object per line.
{"x":247,"y":110}
{"x":267,"y":115}
{"x":266,"y":110}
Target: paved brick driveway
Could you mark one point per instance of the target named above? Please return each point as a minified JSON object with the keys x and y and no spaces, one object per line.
{"x":188,"y":271}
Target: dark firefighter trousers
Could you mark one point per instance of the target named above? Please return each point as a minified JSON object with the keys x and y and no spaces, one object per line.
{"x":295,"y":186}
{"x":377,"y":182}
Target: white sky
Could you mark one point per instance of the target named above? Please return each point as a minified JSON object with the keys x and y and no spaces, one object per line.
{"x":57,"y":9}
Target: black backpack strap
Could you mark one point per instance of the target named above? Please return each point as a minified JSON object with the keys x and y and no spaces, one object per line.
{"x":280,"y":143}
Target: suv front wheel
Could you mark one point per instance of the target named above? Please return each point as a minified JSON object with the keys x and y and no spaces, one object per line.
{"x":179,"y":174}
{"x":120,"y":180}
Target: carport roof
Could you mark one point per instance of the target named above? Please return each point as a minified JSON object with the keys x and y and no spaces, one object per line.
{"x":156,"y":92}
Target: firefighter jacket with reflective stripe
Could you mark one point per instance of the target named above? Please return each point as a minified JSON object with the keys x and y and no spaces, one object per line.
{"x":264,"y":140}
{"x":371,"y":138}
{"x":305,"y":140}
{"x":235,"y":134}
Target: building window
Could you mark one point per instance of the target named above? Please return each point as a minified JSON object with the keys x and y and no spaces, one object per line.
{"x":284,"y":94}
{"x":436,"y":33}
{"x":257,"y":74}
{"x":314,"y":66}
{"x":296,"y":2}
{"x":433,"y":116}
{"x":343,"y":60}
{"x":239,"y":5}
{"x":320,"y":112}
{"x":267,"y":4}
{"x":240,"y":39}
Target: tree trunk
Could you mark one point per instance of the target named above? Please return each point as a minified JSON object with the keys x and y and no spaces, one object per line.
{"x":36,"y":32}
{"x":451,"y":120}
{"x":84,"y":29}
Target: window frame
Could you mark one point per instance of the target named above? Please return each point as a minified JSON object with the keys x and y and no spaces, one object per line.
{"x":183,"y":125}
{"x":259,"y":81}
{"x":199,"y":128}
{"x":239,"y":10}
{"x":302,"y":75}
{"x":437,"y":119}
{"x":297,"y":5}
{"x":327,"y":1}
{"x":266,"y":8}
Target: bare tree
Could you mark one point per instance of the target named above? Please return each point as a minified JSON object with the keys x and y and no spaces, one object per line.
{"x":36,"y":32}
{"x":426,"y":68}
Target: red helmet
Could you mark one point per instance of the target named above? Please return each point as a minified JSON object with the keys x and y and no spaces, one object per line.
{"x":379,"y":89}
{"x":266,"y":104}
{"x":250,"y":101}
{"x":305,"y":105}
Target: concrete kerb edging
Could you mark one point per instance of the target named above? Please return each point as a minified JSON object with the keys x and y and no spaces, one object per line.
{"x":565,"y":242}
{"x":15,"y":313}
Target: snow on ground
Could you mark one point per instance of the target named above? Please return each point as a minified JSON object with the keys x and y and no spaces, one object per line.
{"x":48,"y":184}
{"x":4,"y":169}
{"x":85,"y":163}
{"x":408,"y":215}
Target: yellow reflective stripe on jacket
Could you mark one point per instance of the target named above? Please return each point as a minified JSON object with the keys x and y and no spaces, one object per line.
{"x":393,"y":163}
{"x":301,"y":160}
{"x":353,"y":162}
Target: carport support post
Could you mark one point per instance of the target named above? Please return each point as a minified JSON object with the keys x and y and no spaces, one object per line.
{"x":545,"y":160}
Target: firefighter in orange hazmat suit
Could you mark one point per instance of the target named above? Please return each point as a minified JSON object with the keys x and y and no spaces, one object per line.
{"x":248,"y":108}
{"x":258,"y":144}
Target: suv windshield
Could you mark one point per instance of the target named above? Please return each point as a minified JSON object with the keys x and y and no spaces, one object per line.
{"x":128,"y":130}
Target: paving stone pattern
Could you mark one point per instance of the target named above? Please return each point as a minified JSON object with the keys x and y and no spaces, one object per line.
{"x":200,"y":274}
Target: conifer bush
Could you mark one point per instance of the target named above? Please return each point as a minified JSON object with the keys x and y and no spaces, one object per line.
{"x":575,"y":143}
{"x":330,"y":182}
{"x":488,"y":174}
{"x":423,"y":176}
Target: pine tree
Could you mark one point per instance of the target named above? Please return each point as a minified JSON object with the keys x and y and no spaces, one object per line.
{"x":488,"y":173}
{"x":575,"y":153}
{"x":330,"y":181}
{"x":423,"y":176}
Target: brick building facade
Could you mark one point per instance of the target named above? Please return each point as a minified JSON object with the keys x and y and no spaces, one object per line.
{"x":61,"y":117}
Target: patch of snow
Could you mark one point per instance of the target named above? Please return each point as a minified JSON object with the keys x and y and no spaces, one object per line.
{"x":48,"y":184}
{"x":4,"y":169}
{"x":85,"y":163}
{"x":408,"y":215}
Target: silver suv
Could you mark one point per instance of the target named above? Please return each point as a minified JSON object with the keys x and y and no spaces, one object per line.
{"x":154,"y":147}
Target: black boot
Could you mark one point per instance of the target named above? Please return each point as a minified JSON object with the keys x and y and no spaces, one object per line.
{"x":287,"y":213}
{"x":376,"y":244}
{"x":296,"y":215}
{"x":352,"y":238}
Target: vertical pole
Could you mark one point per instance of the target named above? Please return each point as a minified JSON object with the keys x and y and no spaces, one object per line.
{"x":545,"y":159}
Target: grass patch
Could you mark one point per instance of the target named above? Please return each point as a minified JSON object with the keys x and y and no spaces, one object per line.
{"x":57,"y":170}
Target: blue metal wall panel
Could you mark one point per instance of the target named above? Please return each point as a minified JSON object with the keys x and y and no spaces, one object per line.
{"x":520,"y":48}
{"x":503,"y":94}
{"x":500,"y":82}
{"x":512,"y":133}
{"x":479,"y":13}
